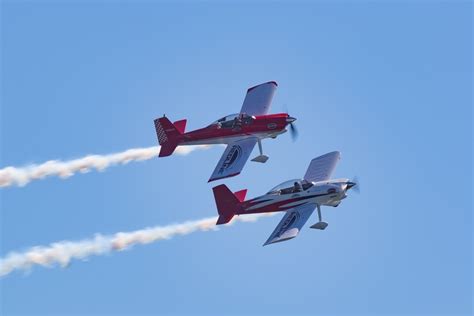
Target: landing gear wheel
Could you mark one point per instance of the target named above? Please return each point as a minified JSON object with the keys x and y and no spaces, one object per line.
{"x":262,"y":158}
{"x":320,"y":225}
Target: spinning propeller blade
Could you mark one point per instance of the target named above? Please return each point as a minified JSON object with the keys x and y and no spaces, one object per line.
{"x":293,"y":129}
{"x":354,"y":184}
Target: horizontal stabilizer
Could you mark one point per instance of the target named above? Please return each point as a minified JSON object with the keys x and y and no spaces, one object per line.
{"x":240,"y":195}
{"x":180,"y":126}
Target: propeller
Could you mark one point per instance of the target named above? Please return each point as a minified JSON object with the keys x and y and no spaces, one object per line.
{"x":293,"y":129}
{"x":354,"y":184}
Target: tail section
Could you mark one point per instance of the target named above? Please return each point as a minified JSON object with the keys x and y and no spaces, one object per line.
{"x":180,"y":125}
{"x":169,"y":134}
{"x":240,"y":195}
{"x":227,"y":203}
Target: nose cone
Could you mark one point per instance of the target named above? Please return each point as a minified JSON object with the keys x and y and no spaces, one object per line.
{"x":350,"y":184}
{"x":290,"y":119}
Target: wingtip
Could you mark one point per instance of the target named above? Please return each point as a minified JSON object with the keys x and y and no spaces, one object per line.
{"x":220,"y":178}
{"x":335,"y":152}
{"x":277,"y":240}
{"x":268,"y":242}
{"x":272,"y":82}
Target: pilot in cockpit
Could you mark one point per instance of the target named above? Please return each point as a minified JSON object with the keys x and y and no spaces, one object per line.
{"x":297,"y":187}
{"x":237,"y":121}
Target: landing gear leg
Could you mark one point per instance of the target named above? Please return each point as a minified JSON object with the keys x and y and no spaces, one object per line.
{"x":320,"y":225}
{"x":262,"y":158}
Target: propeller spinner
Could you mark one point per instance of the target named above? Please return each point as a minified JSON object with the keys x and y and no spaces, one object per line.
{"x":293,"y":131}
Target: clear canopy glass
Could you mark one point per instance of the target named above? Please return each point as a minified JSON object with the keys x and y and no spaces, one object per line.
{"x":291,"y":186}
{"x":229,"y":120}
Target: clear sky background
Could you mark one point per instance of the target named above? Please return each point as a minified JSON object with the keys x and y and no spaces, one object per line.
{"x":387,"y":84}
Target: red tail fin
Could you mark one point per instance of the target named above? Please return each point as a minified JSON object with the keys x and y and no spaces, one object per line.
{"x":168,"y":134}
{"x":227,"y":203}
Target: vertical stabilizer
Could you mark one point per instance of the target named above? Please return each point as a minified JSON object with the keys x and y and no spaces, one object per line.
{"x":168,"y":134}
{"x":227,"y":203}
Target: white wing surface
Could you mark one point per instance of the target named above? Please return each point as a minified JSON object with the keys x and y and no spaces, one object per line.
{"x":321,"y":168}
{"x":259,"y":98}
{"x":291,"y":224}
{"x":234,"y":158}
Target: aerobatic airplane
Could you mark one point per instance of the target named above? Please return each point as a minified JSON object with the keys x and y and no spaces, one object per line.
{"x":240,"y":132}
{"x":298,"y":198}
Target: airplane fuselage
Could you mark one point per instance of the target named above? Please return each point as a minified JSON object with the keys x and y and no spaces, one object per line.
{"x":264,"y":126}
{"x":329,"y":193}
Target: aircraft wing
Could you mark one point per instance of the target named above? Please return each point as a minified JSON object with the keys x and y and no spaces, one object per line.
{"x":233,"y":160}
{"x":259,"y":98}
{"x":291,"y":224}
{"x":321,"y":168}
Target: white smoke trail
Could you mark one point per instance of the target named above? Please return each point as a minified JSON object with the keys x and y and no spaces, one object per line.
{"x":64,"y":169}
{"x":63,"y":252}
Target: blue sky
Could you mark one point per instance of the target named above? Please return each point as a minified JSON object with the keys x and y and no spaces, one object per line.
{"x":387,"y":84}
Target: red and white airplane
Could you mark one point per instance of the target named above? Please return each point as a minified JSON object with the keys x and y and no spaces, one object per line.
{"x":298,"y":198}
{"x":240,"y":132}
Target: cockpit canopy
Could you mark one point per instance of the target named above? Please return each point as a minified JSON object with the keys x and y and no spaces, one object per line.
{"x":231,"y":120}
{"x":291,"y":186}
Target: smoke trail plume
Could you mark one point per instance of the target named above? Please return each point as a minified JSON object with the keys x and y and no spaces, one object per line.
{"x":61,"y":253}
{"x":64,"y":169}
